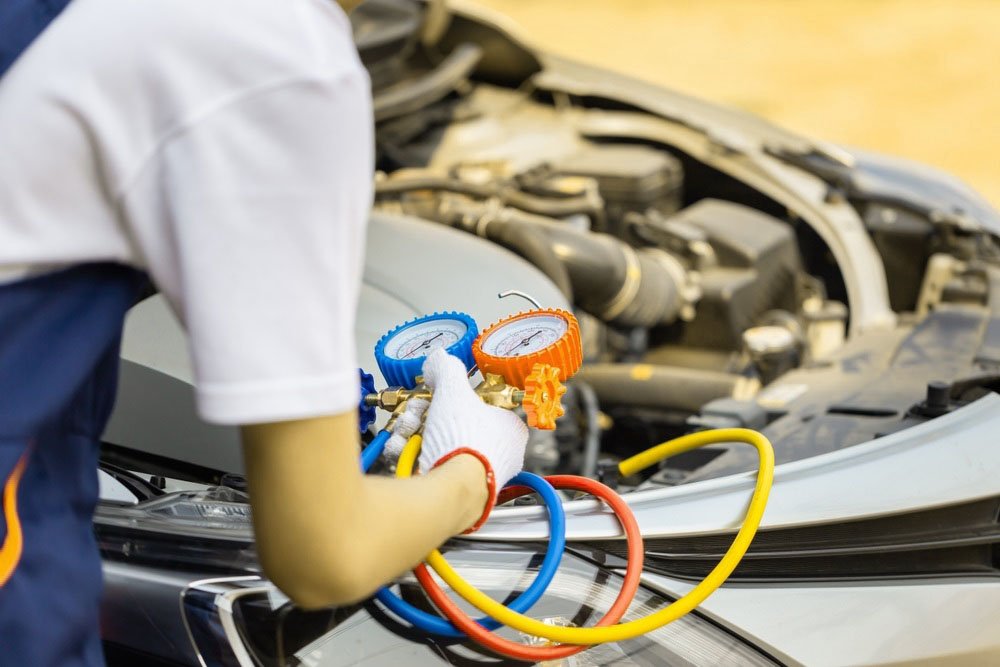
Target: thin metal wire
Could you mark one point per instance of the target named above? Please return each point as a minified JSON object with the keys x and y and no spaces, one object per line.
{"x":523,"y":295}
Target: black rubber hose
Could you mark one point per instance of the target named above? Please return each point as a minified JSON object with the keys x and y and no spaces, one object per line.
{"x":592,"y":441}
{"x":605,"y":276}
{"x":673,"y":387}
{"x":531,"y":244}
{"x":599,"y":273}
{"x":554,"y":208}
{"x":615,"y":282}
{"x":596,"y":264}
{"x":403,"y":184}
{"x":457,"y":67}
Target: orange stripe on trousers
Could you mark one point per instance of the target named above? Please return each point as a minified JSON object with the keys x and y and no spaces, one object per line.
{"x":10,"y":551}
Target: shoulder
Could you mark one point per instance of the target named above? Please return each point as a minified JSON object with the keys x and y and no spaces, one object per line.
{"x":242,"y":39}
{"x":176,"y":53}
{"x":129,"y":73}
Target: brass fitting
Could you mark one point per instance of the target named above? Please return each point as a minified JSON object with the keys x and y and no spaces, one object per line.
{"x":493,"y":390}
{"x":392,"y":398}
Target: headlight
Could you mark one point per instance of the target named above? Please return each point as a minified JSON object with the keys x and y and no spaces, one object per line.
{"x":209,"y":529}
{"x":216,"y":507}
{"x":255,"y":624}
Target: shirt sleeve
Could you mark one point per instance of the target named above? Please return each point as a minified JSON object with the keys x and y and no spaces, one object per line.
{"x":251,"y":221}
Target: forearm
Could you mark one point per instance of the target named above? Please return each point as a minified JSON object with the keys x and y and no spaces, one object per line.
{"x":326,"y":533}
{"x":404,"y":520}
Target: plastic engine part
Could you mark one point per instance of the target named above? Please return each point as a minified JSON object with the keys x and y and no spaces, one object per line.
{"x":366,"y":413}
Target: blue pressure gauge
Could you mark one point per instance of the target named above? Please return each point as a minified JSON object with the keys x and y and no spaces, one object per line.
{"x":400,"y":353}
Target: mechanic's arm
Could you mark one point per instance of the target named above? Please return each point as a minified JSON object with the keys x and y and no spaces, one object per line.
{"x":251,"y":213}
{"x":327,"y":534}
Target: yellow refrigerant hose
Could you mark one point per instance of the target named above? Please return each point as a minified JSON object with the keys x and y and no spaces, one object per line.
{"x":630,"y":466}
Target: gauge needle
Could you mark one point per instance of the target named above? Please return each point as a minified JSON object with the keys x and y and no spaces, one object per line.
{"x":528,"y":339}
{"x":431,"y":340}
{"x":426,"y":343}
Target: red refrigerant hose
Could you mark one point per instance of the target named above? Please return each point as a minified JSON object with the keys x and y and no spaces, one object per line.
{"x":518,"y":651}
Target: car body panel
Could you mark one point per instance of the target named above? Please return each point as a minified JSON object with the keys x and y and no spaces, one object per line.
{"x":950,"y":460}
{"x":917,"y":622}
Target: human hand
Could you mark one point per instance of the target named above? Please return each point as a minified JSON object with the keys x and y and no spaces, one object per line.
{"x":407,"y":423}
{"x":458,"y":419}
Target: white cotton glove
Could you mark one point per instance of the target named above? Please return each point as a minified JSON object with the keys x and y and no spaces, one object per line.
{"x":407,"y":423}
{"x":458,"y":418}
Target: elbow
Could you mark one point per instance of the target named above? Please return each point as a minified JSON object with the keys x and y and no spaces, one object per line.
{"x":323,"y":594}
{"x":333,"y":580}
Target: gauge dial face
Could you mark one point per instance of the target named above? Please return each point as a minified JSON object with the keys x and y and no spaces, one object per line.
{"x":424,"y":337}
{"x":525,"y":336}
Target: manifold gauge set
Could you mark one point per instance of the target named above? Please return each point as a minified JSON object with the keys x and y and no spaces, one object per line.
{"x":523,"y":359}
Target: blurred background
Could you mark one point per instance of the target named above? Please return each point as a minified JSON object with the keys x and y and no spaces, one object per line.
{"x":916,"y":78}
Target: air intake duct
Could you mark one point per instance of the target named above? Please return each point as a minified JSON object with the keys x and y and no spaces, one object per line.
{"x":604,"y":276}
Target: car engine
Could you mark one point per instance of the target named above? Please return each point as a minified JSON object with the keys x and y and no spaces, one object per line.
{"x":703,"y":301}
{"x":725,"y":272}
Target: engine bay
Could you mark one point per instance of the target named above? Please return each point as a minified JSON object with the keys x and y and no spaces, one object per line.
{"x":704,"y":301}
{"x":724,"y":272}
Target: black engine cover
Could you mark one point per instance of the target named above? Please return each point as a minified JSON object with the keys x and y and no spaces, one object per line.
{"x":758,"y":264}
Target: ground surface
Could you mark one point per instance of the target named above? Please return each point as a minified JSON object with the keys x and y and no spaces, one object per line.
{"x":915,"y":78}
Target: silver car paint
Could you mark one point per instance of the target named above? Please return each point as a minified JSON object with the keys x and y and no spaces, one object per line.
{"x":949,"y":460}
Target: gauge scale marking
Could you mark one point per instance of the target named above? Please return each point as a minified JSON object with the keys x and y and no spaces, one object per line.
{"x":525,"y":336}
{"x":423,"y":338}
{"x":401,"y":352}
{"x":514,"y":346}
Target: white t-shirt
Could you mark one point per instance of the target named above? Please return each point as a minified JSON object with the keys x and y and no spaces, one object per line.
{"x":226,"y":147}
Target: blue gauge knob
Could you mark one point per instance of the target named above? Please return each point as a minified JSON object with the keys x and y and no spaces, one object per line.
{"x":400,"y":353}
{"x":366,"y":413}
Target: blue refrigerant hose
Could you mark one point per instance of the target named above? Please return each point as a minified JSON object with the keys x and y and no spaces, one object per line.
{"x":546,"y":572}
{"x":370,"y":454}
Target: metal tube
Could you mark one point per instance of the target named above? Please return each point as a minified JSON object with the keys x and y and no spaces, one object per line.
{"x":592,"y":441}
{"x":646,"y":385}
